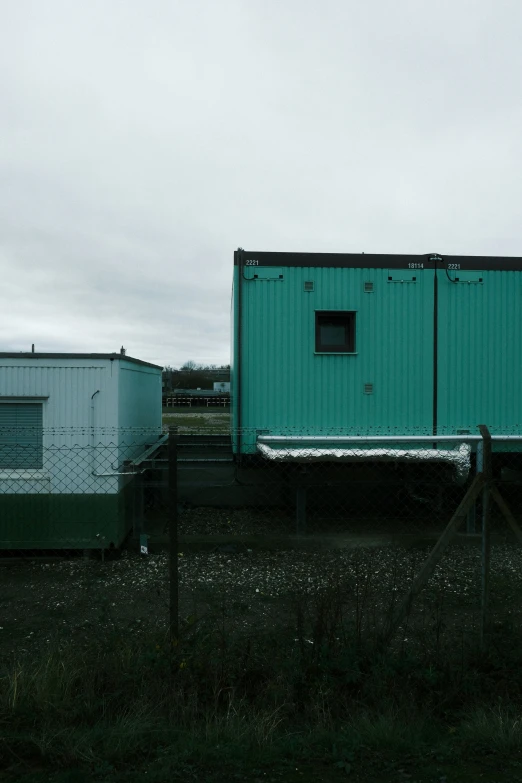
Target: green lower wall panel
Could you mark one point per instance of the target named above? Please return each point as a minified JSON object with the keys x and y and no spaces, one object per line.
{"x":63,"y":521}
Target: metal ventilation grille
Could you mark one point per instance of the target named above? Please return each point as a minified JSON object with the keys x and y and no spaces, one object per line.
{"x":368,"y":287}
{"x":368,"y":388}
{"x":309,"y":285}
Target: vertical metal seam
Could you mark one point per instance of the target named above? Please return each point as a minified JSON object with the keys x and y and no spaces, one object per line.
{"x":435,"y":347}
{"x":238,"y":358}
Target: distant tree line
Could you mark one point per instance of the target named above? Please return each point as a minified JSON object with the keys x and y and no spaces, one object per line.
{"x":192,"y":375}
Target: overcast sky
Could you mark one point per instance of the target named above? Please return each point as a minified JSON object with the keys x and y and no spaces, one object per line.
{"x":143,"y":141}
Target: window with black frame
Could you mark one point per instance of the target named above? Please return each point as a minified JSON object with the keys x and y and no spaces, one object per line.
{"x":335,"y":331}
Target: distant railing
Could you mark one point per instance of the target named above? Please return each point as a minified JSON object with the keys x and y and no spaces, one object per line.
{"x":211,"y":400}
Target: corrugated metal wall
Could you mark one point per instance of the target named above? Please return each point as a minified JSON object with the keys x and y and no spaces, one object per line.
{"x":139,"y":406}
{"x":139,"y":397}
{"x":80,"y":432}
{"x":480,"y":352}
{"x":286,"y":385}
{"x":234,"y":360}
{"x":69,"y":388}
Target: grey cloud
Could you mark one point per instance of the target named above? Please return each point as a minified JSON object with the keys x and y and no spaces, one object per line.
{"x":141,"y":143}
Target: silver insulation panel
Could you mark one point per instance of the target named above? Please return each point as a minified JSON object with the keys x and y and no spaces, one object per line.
{"x":459,"y":458}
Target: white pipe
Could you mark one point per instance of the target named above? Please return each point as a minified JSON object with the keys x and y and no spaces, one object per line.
{"x":93,"y":446}
{"x":459,"y":458}
{"x":116,"y":473}
{"x":150,"y":450}
{"x":383,"y":438}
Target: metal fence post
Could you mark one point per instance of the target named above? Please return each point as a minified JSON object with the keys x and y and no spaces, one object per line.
{"x":471,"y":522}
{"x":173,"y":535}
{"x":135,"y":502}
{"x":486,"y":533}
{"x":138,"y":505}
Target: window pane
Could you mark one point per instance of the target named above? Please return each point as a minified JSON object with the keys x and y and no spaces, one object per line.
{"x":333,"y":334}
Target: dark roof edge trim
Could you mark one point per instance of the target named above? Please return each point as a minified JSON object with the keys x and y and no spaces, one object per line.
{"x":95,"y":356}
{"x":374,"y":261}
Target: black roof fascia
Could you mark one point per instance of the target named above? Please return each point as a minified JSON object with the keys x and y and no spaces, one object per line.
{"x":97,"y":356}
{"x":377,"y":261}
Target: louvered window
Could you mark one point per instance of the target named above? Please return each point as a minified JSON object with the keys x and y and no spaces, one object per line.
{"x":21,"y":435}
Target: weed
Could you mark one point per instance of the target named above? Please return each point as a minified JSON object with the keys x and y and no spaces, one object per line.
{"x":497,"y":729}
{"x":324,"y":688}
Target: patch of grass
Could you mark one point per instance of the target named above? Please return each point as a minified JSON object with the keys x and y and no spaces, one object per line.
{"x":323,"y":693}
{"x":495,"y":729}
{"x":320,"y":697}
{"x":217,"y":421}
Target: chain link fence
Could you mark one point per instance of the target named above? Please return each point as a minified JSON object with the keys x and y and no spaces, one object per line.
{"x":169,"y":572}
{"x":336,"y":503}
{"x":79,"y":489}
{"x":335,"y":484}
{"x":70,"y":489}
{"x":255,"y":535}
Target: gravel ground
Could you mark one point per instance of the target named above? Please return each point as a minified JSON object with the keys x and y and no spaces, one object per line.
{"x":233,"y":522}
{"x":44,"y":601}
{"x":252,"y":522}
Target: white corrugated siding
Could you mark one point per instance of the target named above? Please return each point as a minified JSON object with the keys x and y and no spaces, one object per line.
{"x":80,"y":433}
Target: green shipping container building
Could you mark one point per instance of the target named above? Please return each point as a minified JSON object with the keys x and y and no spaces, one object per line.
{"x":360,"y":344}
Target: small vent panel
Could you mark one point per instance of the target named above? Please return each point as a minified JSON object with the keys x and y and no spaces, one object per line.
{"x":368,"y":287}
{"x":368,"y":388}
{"x":309,"y":285}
